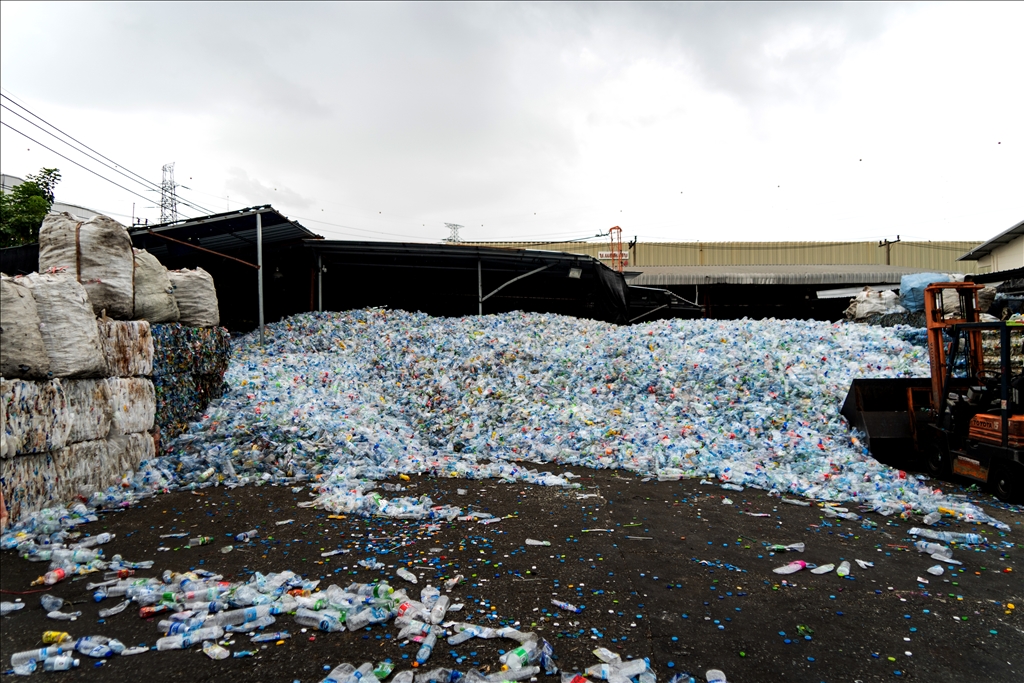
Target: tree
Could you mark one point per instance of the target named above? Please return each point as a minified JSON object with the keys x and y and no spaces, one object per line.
{"x":23,"y":209}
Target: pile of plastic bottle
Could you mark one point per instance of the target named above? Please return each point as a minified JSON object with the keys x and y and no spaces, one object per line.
{"x":351,"y":398}
{"x":200,"y":608}
{"x":346,"y":400}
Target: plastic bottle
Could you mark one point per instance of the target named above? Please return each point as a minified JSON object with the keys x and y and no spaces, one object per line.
{"x":60,"y":663}
{"x":173,"y":628}
{"x":469,"y":631}
{"x":199,"y":540}
{"x":632,"y":668}
{"x":9,"y":607}
{"x":933,"y":549}
{"x":247,"y":536}
{"x":365,"y":669}
{"x":51,"y":603}
{"x":19,"y":658}
{"x":569,"y":607}
{"x":340,"y":674}
{"x":93,"y":647}
{"x":844,"y":569}
{"x":325,"y":620}
{"x":63,"y":616}
{"x":404,"y":573}
{"x":935,"y":570}
{"x":531,"y":541}
{"x":823,"y":569}
{"x":187,"y":640}
{"x":526,"y":654}
{"x":715,"y":676}
{"x":56,"y":637}
{"x":255,"y":624}
{"x":790,"y":568}
{"x":949,"y":536}
{"x":439,"y":609}
{"x":94,"y":541}
{"x":453,"y":582}
{"x":403,"y":677}
{"x":383,"y":670}
{"x":515,"y":674}
{"x":792,"y":547}
{"x":428,"y":596}
{"x":426,"y":648}
{"x":932,"y":517}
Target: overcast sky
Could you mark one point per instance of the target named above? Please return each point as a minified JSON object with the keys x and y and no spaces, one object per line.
{"x":719,"y":121}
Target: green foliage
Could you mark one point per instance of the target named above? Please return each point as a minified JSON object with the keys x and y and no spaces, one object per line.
{"x":23,"y":208}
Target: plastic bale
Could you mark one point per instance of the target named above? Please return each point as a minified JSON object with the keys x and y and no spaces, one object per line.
{"x":211,"y":350}
{"x":129,"y":451}
{"x":68,"y":325}
{"x":92,"y":409}
{"x":36,"y":416}
{"x":196,"y":296}
{"x":154,"y":293}
{"x":22,"y":352}
{"x":134,"y":403}
{"x":89,"y":467}
{"x":29,"y":482}
{"x":177,"y":399}
{"x":172,"y":353}
{"x":98,"y":252}
{"x":127,"y":347}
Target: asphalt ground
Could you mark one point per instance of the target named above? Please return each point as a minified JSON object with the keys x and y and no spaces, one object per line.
{"x":681,"y":577}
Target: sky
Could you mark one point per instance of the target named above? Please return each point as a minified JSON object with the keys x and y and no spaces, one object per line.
{"x":533,"y":122}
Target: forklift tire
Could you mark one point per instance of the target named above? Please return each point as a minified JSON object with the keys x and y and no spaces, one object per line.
{"x":1008,"y":483}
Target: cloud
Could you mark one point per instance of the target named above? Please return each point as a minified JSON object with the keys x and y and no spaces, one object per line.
{"x":241,"y":185}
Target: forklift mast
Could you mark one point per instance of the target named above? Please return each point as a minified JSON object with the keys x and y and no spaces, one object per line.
{"x":938,"y":320}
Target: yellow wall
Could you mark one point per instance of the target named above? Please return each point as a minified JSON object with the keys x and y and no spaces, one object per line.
{"x":939,"y":256}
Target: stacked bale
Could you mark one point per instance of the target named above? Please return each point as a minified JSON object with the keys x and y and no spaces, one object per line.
{"x":81,"y":343}
{"x":188,"y":372}
{"x":76,"y":399}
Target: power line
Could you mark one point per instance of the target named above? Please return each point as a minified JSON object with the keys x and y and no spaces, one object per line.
{"x":7,"y":125}
{"x":137,"y":178}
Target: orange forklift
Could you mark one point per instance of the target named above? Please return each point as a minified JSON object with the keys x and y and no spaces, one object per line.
{"x":967,"y":420}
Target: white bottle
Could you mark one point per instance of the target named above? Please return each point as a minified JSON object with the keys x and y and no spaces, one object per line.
{"x":404,"y":573}
{"x":715,"y":676}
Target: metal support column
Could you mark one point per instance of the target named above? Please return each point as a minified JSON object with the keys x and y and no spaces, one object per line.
{"x":259,"y":265}
{"x":319,"y":284}
{"x":480,"y":287}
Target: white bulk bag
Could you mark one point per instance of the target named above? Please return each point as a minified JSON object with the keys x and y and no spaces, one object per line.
{"x":22,"y":353}
{"x":98,"y":252}
{"x":68,"y":325}
{"x":196,"y":296}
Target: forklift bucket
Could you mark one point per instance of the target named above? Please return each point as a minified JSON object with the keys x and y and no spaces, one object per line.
{"x":891,"y":413}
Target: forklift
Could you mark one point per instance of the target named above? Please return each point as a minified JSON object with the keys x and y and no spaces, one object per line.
{"x":967,"y":419}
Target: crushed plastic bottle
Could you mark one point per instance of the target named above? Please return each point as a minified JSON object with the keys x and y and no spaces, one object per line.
{"x":215,"y":651}
{"x":405,"y":574}
{"x":531,"y":541}
{"x":949,"y":536}
{"x":10,"y":607}
{"x":790,"y":568}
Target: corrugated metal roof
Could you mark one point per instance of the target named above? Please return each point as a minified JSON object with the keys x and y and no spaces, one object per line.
{"x":999,"y":240}
{"x":769,"y":275}
{"x":223,"y":232}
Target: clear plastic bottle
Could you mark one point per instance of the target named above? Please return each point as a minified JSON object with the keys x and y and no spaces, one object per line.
{"x":19,"y":658}
{"x":9,"y":607}
{"x":340,"y":674}
{"x":428,"y":596}
{"x":94,"y":541}
{"x":933,"y":549}
{"x":426,"y":648}
{"x":526,"y":654}
{"x":51,"y":603}
{"x":187,"y":640}
{"x":60,"y":663}
{"x":932,"y":517}
{"x":439,"y":609}
{"x":715,"y":676}
{"x":404,"y":573}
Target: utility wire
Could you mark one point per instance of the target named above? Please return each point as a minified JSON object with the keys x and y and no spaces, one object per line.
{"x":138,"y":178}
{"x":5,"y":124}
{"x":112,"y":168}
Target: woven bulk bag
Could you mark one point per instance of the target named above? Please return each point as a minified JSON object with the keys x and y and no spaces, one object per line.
{"x":196,"y":296}
{"x":98,"y":252}
{"x":22,"y":353}
{"x":67,"y":325}
{"x":154,"y":293}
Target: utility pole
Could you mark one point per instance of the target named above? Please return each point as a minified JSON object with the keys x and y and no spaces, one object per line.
{"x":888,"y":248}
{"x":168,"y":195}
